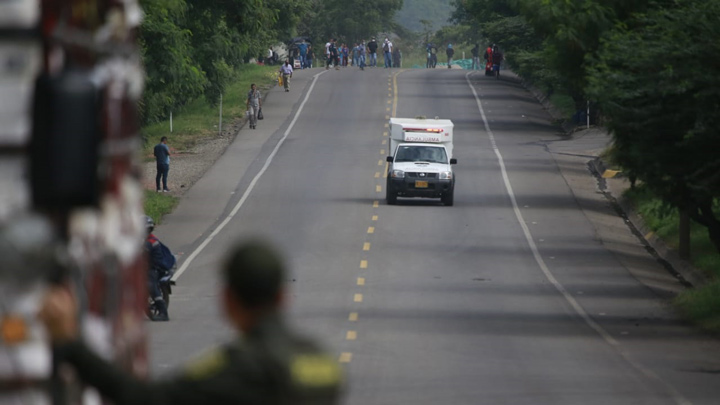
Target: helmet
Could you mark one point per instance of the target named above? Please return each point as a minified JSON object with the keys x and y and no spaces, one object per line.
{"x":149,"y":223}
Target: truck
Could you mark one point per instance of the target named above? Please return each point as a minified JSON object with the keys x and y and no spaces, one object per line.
{"x":419,"y":160}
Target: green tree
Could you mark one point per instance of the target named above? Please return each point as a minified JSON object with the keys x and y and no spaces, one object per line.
{"x":351,"y":20}
{"x":655,"y":78}
{"x":172,"y":76}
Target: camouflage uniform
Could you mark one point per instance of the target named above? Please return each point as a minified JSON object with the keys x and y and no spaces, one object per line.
{"x":270,"y":365}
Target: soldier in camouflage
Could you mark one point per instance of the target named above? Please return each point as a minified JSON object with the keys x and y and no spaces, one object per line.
{"x":267,"y":364}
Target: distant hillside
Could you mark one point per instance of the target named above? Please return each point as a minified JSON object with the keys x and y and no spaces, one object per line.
{"x":437,"y":11}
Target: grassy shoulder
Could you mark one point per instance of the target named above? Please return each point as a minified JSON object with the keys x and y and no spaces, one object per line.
{"x":701,"y":305}
{"x":197,"y":121}
{"x":158,"y":204}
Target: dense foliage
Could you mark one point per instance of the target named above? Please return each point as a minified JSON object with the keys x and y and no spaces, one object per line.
{"x":651,"y":65}
{"x":191,"y":47}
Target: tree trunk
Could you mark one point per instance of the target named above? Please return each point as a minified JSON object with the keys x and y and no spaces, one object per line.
{"x":684,"y":231}
{"x":703,"y":214}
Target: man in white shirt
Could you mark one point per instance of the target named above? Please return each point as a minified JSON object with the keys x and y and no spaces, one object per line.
{"x":387,"y":52}
{"x":286,"y":70}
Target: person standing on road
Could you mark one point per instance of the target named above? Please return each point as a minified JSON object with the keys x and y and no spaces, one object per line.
{"x":450,"y":52}
{"x":355,"y":55}
{"x":372,"y":52}
{"x":162,"y":158}
{"x":387,"y":53}
{"x":476,"y":57}
{"x":267,"y":363}
{"x":361,"y":55}
{"x":497,"y":59}
{"x":254,"y":102}
{"x":397,"y":57}
{"x":303,"y":47}
{"x":287,"y":71}
{"x":310,"y":56}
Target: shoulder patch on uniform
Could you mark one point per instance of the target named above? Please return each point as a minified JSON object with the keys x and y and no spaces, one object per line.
{"x":207,"y":364}
{"x":314,"y":370}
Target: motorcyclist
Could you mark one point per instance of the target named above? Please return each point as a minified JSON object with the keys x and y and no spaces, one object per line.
{"x":152,"y":247}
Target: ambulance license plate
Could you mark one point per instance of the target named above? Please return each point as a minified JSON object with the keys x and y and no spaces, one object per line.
{"x":421,"y":184}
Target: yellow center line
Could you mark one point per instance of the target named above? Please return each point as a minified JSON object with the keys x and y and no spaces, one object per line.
{"x":384,"y":141}
{"x":361,"y":281}
{"x":385,"y":133}
{"x":377,"y":175}
{"x":388,"y":109}
{"x":353,"y":317}
{"x":345,"y":357}
{"x":382,"y":151}
{"x":371,"y":229}
{"x":376,"y":204}
{"x":374,"y":217}
{"x":358,"y":298}
{"x":395,"y":89}
{"x":366,"y":246}
{"x":363,"y":264}
{"x":387,"y":117}
{"x":378,"y":189}
{"x":380,"y":162}
{"x":351,"y":335}
{"x":389,"y":101}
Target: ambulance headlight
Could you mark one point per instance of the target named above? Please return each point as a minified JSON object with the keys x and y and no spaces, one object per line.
{"x":397,"y":174}
{"x":445,"y":175}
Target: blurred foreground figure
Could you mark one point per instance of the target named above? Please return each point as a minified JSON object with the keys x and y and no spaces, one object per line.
{"x":266,"y":364}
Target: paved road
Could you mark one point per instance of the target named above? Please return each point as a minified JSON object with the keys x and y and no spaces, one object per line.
{"x":519,"y":294}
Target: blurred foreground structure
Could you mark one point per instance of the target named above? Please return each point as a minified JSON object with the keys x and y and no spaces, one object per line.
{"x":70,"y":200}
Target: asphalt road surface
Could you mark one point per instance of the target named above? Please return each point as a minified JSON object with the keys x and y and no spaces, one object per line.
{"x":509,"y":297}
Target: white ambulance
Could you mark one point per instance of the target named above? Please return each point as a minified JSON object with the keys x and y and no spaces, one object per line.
{"x":420,"y":158}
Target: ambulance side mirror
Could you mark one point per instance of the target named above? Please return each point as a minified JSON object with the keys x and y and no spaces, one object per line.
{"x":453,"y":161}
{"x":389,"y":159}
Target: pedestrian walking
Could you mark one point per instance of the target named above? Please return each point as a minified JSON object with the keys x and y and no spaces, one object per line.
{"x":361,"y":55}
{"x":286,"y":71}
{"x":475,"y":57}
{"x":449,"y":52}
{"x":303,"y":47}
{"x":267,"y":362}
{"x":345,"y":55}
{"x":372,"y":52}
{"x":162,"y":159}
{"x":310,"y":56}
{"x":355,"y":55}
{"x":333,"y":55}
{"x":397,"y":57}
{"x":497,"y":59}
{"x":253,"y":105}
{"x":387,"y":53}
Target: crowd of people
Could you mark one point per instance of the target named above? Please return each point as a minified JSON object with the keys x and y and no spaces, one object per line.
{"x":361,"y":54}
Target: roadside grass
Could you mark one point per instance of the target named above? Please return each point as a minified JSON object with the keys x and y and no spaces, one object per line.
{"x":158,"y":204}
{"x":701,"y":305}
{"x":198,"y":120}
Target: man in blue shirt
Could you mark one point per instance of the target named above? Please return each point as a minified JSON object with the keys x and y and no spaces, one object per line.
{"x":303,"y":47}
{"x":162,"y":157}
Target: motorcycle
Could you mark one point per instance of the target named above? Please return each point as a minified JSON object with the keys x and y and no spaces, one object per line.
{"x":166,"y":283}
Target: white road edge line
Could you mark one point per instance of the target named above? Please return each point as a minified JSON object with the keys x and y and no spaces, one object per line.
{"x":679,"y":399}
{"x":250,"y":188}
